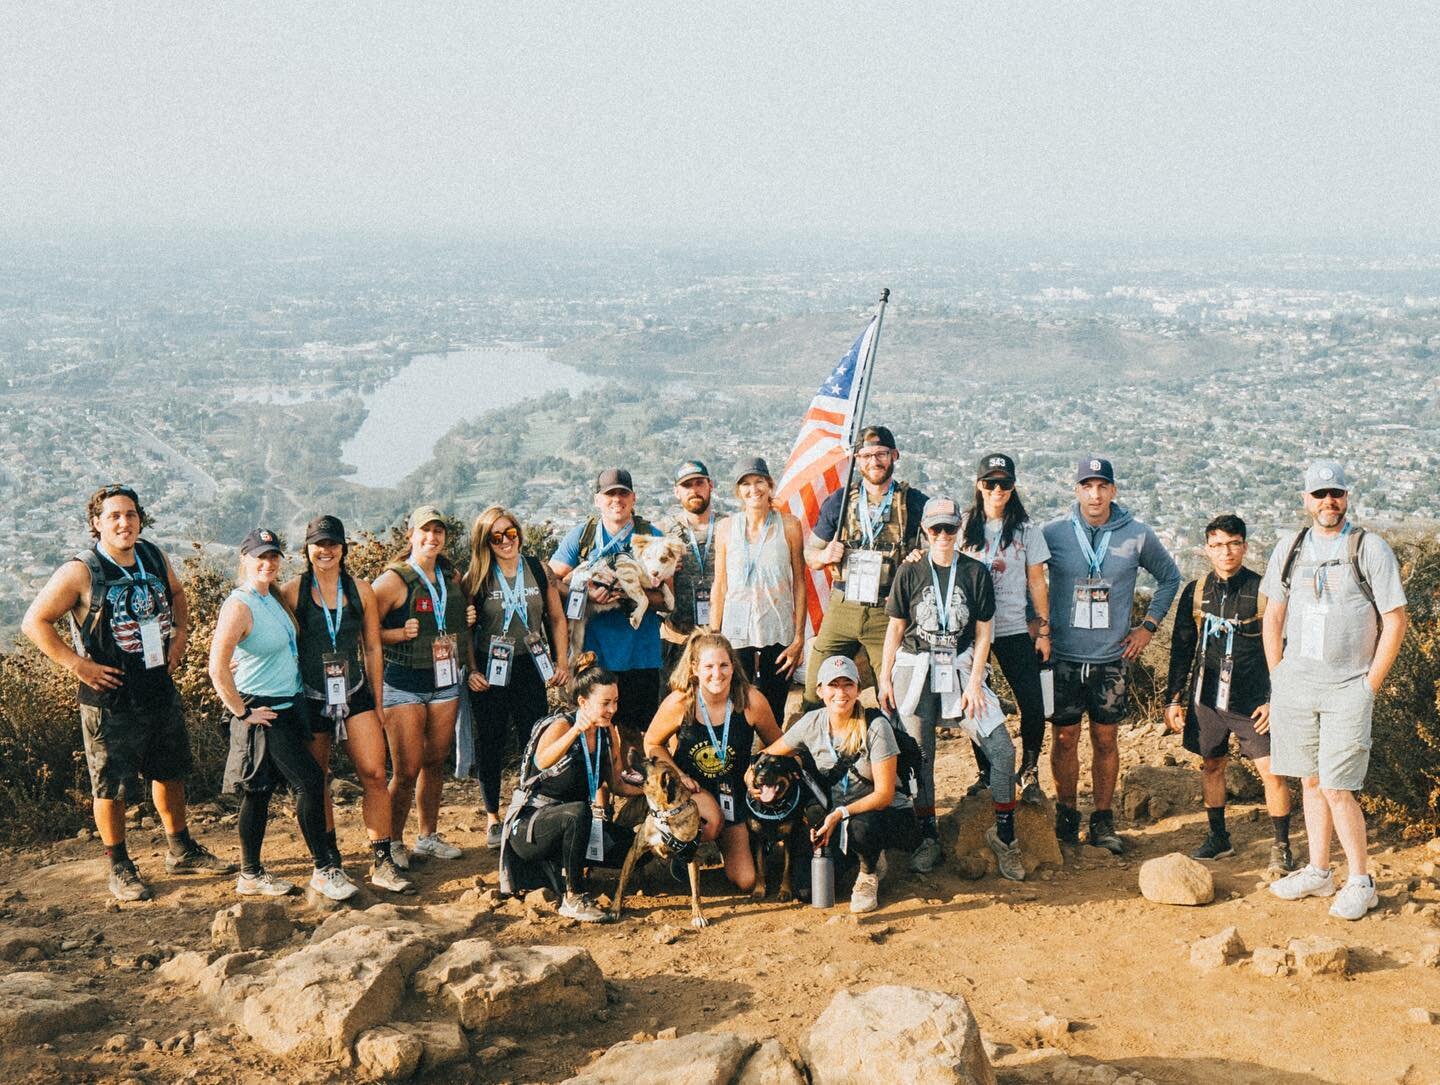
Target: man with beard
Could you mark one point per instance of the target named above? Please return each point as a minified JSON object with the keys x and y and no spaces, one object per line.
{"x":691,"y":522}
{"x":881,"y":526}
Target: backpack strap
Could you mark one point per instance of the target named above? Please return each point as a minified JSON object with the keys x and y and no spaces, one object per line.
{"x":1356,"y":537}
{"x":1197,"y":602}
{"x":1288,"y":568}
{"x":587,"y":538}
{"x":78,"y":632}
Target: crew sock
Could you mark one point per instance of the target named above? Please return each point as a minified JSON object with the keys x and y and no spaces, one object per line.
{"x":118,"y":855}
{"x":381,"y":849}
{"x":1281,"y":825}
{"x":1216,"y":814}
{"x":179,"y":843}
{"x":1005,"y":822}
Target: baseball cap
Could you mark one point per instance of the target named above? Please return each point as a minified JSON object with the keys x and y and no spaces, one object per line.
{"x":260,"y":541}
{"x":940,"y":510}
{"x":324,"y":529}
{"x":752,"y":465}
{"x":877,"y":435}
{"x":1094,"y":467}
{"x":837,"y":667}
{"x":995,"y":465}
{"x":1325,"y":475}
{"x":614,"y":478}
{"x":425,"y":514}
{"x":690,"y":469}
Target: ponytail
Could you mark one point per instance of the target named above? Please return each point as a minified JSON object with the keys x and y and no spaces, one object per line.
{"x":587,"y":676}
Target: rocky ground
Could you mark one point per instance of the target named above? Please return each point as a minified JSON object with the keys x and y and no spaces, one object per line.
{"x":1072,"y":976}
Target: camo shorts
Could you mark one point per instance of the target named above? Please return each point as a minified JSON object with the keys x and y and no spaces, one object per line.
{"x":1099,"y":689}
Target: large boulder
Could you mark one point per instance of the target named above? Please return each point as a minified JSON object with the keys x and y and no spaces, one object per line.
{"x":895,"y":1033}
{"x":35,"y":1007}
{"x":252,"y":924}
{"x":963,"y":832}
{"x":701,"y":1058}
{"x":437,"y":924}
{"x":1176,"y":879}
{"x":514,"y":988}
{"x":770,"y":1065}
{"x":1157,"y":791}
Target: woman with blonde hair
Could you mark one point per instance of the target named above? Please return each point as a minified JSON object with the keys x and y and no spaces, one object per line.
{"x":520,"y":643}
{"x":705,"y":729}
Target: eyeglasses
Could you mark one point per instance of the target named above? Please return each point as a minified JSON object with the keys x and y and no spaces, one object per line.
{"x":1333,"y":494}
{"x":509,"y":534}
{"x":1233,"y":544}
{"x":943,"y":529}
{"x":997,"y":484}
{"x":882,"y":456}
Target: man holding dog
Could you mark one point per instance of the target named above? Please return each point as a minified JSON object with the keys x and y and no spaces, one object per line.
{"x":691,"y":522}
{"x":881,"y":526}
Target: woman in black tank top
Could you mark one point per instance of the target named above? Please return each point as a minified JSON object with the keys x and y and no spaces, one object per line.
{"x":705,"y":729}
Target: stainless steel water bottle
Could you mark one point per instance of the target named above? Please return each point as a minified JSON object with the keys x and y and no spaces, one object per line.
{"x":822,"y":880}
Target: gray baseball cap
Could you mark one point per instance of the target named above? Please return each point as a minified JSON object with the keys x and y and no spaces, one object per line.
{"x":752,"y":465}
{"x":1325,"y":475}
{"x":837,"y":667}
{"x":940,"y":510}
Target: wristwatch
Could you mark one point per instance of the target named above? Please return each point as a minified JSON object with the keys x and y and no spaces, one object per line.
{"x":1149,"y":625}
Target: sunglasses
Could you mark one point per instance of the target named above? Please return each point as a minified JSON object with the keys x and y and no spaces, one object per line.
{"x":510,"y":534}
{"x":943,"y":529}
{"x":1334,"y":494}
{"x":997,"y":484}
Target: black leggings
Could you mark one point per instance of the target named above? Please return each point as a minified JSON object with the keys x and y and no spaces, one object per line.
{"x":759,"y":666}
{"x":875,"y":830}
{"x":560,"y":832}
{"x":287,"y":751}
{"x":498,"y":711}
{"x":1020,"y":664}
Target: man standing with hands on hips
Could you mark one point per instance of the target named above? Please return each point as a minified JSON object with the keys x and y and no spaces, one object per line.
{"x":1333,"y":627}
{"x":1096,"y":554}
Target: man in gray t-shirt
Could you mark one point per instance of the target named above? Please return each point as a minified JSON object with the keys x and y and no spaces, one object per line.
{"x":1333,"y":626}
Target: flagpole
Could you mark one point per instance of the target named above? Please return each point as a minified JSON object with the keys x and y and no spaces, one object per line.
{"x":858,"y":424}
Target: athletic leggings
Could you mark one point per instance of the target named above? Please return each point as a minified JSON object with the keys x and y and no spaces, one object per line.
{"x":287,"y":751}
{"x":760,"y":668}
{"x":560,"y":832}
{"x":499,"y":711}
{"x":875,"y":830}
{"x":1020,"y":664}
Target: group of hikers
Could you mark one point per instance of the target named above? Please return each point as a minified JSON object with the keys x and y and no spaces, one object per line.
{"x":934,"y":590}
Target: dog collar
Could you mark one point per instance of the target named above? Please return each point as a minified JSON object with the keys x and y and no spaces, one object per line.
{"x":767,"y":814}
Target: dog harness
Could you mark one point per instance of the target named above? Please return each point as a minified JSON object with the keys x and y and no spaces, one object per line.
{"x":679,"y":849}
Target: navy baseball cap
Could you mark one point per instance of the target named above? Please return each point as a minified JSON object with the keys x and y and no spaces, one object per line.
{"x":260,"y":541}
{"x":1094,"y":467}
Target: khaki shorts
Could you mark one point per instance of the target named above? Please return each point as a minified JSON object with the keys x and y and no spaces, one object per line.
{"x":1320,"y":729}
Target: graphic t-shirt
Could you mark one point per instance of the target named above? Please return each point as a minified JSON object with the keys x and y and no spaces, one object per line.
{"x":812,"y":731}
{"x":913,"y":597}
{"x":1009,"y":569}
{"x":133,"y":595}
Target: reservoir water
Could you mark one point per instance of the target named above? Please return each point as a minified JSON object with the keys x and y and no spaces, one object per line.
{"x":409,"y":413}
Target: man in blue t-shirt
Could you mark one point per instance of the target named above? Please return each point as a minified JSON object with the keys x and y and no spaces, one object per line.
{"x":633,"y":654}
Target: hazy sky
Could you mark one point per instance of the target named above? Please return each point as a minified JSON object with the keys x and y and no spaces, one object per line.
{"x":1053,"y":119}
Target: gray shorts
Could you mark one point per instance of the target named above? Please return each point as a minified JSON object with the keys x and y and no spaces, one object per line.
{"x":395,"y":696}
{"x":1320,"y":729}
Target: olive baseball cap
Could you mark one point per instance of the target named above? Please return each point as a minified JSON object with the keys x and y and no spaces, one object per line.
{"x":426,"y":514}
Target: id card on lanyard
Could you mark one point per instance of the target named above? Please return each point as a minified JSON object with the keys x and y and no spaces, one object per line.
{"x":334,"y":665}
{"x":1092,"y":594}
{"x":152,"y":636}
{"x":702,"y":589}
{"x":863,"y":568}
{"x":497,"y":666}
{"x":501,"y":656}
{"x":721,"y":746}
{"x":544,"y":666}
{"x":595,"y":849}
{"x":443,"y":654}
{"x":942,"y":656}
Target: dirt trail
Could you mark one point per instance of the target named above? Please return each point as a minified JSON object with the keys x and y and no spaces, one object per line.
{"x":1079,"y":943}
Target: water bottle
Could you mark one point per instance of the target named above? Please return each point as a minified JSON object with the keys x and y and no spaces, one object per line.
{"x":822,"y":880}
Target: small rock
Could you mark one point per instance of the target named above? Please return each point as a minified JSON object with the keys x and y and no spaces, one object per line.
{"x":670,"y":1033}
{"x":119,"y":1043}
{"x":1051,"y":1029}
{"x":971,"y":867}
{"x":25,"y":944}
{"x":1433,"y":846}
{"x":1176,"y":879}
{"x":442,"y":1042}
{"x":179,"y":1044}
{"x":388,"y":1053}
{"x":770,"y":1065}
{"x":668,"y":935}
{"x":1270,"y":961}
{"x":1419,"y":1015}
{"x":149,"y":1046}
{"x":251,"y":924}
{"x":1218,"y":950}
{"x":539,"y":898}
{"x":1319,"y":956}
{"x":1429,"y":956}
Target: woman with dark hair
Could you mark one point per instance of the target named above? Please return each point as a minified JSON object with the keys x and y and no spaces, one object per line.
{"x":998,"y":532}
{"x":340,"y":670}
{"x":705,"y":729}
{"x":521,"y":642}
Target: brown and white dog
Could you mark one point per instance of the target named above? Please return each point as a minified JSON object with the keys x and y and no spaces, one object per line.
{"x":667,"y":825}
{"x":651,"y":564}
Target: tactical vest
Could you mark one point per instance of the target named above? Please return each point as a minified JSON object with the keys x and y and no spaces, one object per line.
{"x":591,"y":531}
{"x":893,"y":538}
{"x":418,"y":653}
{"x":1248,"y":610}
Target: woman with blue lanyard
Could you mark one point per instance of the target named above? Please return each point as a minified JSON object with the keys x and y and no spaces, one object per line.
{"x":421,"y":605}
{"x":705,"y":729}
{"x":758,"y":597}
{"x":340,"y":670}
{"x":999,"y":533}
{"x":521,"y":643}
{"x":269,"y":729}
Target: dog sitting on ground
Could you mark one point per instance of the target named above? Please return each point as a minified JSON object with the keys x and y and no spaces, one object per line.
{"x":667,"y":826}
{"x":651,"y":563}
{"x":782,"y":807}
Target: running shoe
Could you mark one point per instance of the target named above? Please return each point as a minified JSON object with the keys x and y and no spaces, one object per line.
{"x":865,"y":895}
{"x":1007,"y":856}
{"x":436,"y":846}
{"x":1215,"y":846}
{"x":1030,"y":786}
{"x":579,"y":906}
{"x":198,"y":859}
{"x":1305,"y":882}
{"x":1103,"y":835}
{"x":1355,"y":898}
{"x":400,"y":853}
{"x":126,"y":884}
{"x":332,"y":882}
{"x":927,"y":856}
{"x":493,"y":835}
{"x":386,"y":875}
{"x":979,"y":787}
{"x":263,"y":884}
{"x":1281,"y":860}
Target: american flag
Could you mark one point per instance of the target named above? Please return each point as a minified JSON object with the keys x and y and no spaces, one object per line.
{"x":816,"y":467}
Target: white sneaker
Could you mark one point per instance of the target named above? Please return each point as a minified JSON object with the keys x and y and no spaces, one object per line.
{"x":400,"y":853}
{"x":385,"y":875}
{"x":333,"y":883}
{"x":437,"y":846}
{"x":580,"y":906}
{"x":865,"y":896}
{"x":263,"y":884}
{"x":1308,"y":881}
{"x":1355,"y":898}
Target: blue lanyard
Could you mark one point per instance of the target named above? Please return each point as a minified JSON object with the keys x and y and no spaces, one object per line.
{"x":513,"y":599}
{"x":992,"y":548}
{"x":1321,"y":567}
{"x":438,"y":599}
{"x":126,"y":573}
{"x":844,"y":782}
{"x":1094,"y":555}
{"x":721,"y":746}
{"x":269,"y":605}
{"x":608,"y":545}
{"x":695,"y":546}
{"x":750,"y":561}
{"x":332,"y":626}
{"x":592,"y":772}
{"x":869,"y":521}
{"x":1215,"y":626}
{"x":942,"y":605}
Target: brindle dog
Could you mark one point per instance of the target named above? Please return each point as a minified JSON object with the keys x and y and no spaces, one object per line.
{"x":670,"y":828}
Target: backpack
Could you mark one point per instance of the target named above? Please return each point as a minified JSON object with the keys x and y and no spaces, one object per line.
{"x":149,"y":555}
{"x":907,"y":768}
{"x":1356,"y":535}
{"x":588,"y":533}
{"x":1197,"y":603}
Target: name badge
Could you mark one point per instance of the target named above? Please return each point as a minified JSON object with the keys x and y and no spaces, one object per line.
{"x":544,"y":666}
{"x":1080,"y":618}
{"x":1222,"y":690}
{"x":152,"y":643}
{"x":862,"y":576}
{"x":1312,"y":632}
{"x":702,"y":607}
{"x":1099,"y":604}
{"x":442,"y":654}
{"x":735,"y":623}
{"x":575,"y":604}
{"x":942,"y":670}
{"x":337,"y":675}
{"x":497,"y":667}
{"x":727,"y":803}
{"x":595,"y":850}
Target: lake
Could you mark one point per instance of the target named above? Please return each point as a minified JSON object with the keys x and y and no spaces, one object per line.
{"x":408,"y":414}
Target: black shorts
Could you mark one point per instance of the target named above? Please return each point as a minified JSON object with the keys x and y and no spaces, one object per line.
{"x":361,"y":701}
{"x":639,"y":698}
{"x":1208,"y":731}
{"x":124,"y":743}
{"x":1101,"y":690}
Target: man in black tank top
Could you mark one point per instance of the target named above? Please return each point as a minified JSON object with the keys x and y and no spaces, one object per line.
{"x":129,"y":618}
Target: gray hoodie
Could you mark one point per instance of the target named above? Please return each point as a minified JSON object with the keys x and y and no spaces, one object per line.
{"x":1133,"y":546}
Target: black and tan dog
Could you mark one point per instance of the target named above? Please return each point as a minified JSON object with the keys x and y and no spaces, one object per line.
{"x":667,"y":825}
{"x":782,"y":805}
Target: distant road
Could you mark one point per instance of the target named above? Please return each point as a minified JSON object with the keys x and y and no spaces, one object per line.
{"x":201,"y":480}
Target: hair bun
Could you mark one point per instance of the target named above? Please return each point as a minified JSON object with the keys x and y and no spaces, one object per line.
{"x":583,"y":662}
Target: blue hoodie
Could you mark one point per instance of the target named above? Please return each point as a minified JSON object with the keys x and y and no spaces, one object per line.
{"x":1133,"y":546}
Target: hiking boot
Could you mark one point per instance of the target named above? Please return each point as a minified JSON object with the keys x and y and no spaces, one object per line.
{"x":1281,"y":861}
{"x":1305,"y":882}
{"x":1216,"y":846}
{"x":126,"y":884}
{"x":1007,"y":856}
{"x":400,"y":853}
{"x":1103,"y":835}
{"x":436,"y":846}
{"x":979,"y":787}
{"x":1356,"y":898}
{"x":865,"y":895}
{"x":579,"y":906}
{"x":493,"y":835}
{"x":1067,"y":825}
{"x":332,"y":882}
{"x":386,"y":875}
{"x":263,"y":884}
{"x":198,"y":859}
{"x":927,"y":856}
{"x":1030,"y":785}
